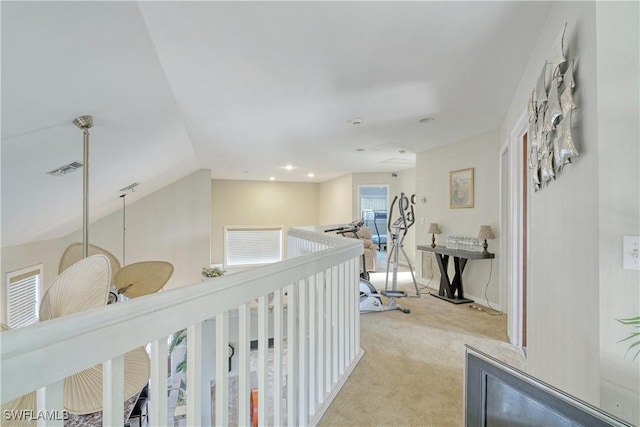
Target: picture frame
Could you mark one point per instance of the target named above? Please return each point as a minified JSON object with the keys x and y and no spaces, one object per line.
{"x":461,"y":189}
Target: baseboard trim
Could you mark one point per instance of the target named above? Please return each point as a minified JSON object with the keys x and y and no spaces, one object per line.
{"x":619,"y":400}
{"x":477,"y":300}
{"x":334,"y":392}
{"x":482,"y":301}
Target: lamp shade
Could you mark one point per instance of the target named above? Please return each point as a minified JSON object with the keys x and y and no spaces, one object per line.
{"x":434,"y":228}
{"x":485,"y":232}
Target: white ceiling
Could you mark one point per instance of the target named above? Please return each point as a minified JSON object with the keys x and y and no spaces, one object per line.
{"x":241,"y":88}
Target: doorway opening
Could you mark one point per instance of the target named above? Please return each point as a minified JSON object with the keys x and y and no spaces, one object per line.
{"x":373,"y":205}
{"x":514,"y":223}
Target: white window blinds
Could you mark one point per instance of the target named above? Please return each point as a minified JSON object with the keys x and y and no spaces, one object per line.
{"x":23,"y":297}
{"x":252,"y":245}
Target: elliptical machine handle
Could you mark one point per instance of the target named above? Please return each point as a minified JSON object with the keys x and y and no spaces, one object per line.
{"x":404,"y":201}
{"x":411,"y":217}
{"x":395,"y":199}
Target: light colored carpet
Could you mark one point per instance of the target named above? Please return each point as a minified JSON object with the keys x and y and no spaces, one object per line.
{"x":412,"y":370}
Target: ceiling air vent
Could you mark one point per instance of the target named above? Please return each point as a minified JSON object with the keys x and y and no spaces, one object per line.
{"x":399,"y":162}
{"x":130,"y":187}
{"x":65,"y":169}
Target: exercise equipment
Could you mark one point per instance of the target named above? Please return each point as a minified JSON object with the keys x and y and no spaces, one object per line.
{"x":398,"y":231}
{"x":370,"y":299}
{"x":380,"y":240}
{"x":352,"y":228}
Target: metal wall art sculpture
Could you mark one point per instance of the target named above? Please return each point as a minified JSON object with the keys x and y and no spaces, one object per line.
{"x":550,"y":108}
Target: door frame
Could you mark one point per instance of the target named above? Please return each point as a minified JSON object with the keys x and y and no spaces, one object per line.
{"x":513,"y":230}
{"x":361,"y":186}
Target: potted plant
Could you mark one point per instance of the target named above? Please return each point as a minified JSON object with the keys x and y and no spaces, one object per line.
{"x":212,"y":272}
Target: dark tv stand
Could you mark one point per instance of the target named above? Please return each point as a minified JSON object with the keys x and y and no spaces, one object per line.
{"x":452,"y":290}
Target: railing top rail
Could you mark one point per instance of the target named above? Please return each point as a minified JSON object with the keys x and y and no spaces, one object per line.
{"x":117,"y":328}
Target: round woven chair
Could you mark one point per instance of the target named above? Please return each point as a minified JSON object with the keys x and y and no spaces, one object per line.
{"x":82,"y":286}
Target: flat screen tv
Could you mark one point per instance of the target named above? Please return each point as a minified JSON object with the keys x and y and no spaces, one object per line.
{"x":499,"y":395}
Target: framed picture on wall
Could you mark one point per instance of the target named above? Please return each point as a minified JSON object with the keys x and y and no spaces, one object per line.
{"x":461,"y":189}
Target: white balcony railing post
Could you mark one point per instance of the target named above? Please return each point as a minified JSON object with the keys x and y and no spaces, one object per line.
{"x":221,"y":374}
{"x":113,"y":391}
{"x":263,"y":345}
{"x":244,"y":379}
{"x":303,"y":314}
{"x":342,"y":329}
{"x":292,"y":355}
{"x":328,"y":331}
{"x":278,"y":333}
{"x":49,"y":399}
{"x":322,"y":367}
{"x":158,"y":384}
{"x":335,"y":327}
{"x":194,"y":378}
{"x":313,"y":315}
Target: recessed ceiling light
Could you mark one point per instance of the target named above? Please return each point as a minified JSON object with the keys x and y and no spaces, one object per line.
{"x":402,"y":151}
{"x":359,"y":149}
{"x":289,"y":167}
{"x":272,"y":178}
{"x":356,"y":122}
{"x":310,"y":175}
{"x":426,"y":120}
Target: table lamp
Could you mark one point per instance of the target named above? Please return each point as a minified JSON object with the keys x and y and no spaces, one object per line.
{"x":434,"y":229}
{"x":485,"y":233}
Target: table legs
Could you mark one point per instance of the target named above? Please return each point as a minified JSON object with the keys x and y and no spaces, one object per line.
{"x":448,"y":287}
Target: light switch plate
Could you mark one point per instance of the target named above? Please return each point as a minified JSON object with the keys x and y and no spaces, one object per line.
{"x":631,"y":252}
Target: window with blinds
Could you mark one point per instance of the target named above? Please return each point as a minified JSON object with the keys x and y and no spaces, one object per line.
{"x":252,"y":245}
{"x":23,"y":296}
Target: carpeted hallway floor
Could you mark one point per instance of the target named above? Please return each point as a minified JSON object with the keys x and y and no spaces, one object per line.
{"x":412,"y":371}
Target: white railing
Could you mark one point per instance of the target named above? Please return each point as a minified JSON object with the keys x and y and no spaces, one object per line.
{"x":308,"y":304}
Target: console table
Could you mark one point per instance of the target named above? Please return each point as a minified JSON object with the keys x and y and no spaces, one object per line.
{"x":452,"y":291}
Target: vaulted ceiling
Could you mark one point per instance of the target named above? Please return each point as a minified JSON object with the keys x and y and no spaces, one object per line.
{"x":241,"y":88}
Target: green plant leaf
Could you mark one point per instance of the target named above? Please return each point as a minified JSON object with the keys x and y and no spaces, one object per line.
{"x":634,"y":336}
{"x":177,"y":339}
{"x":635,"y":344}
{"x":630,"y":321}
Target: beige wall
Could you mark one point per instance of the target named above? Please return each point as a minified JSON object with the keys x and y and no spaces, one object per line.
{"x":172,"y":224}
{"x":259,"y":203}
{"x":432,"y":182}
{"x":577,"y":285}
{"x":336,"y":201}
